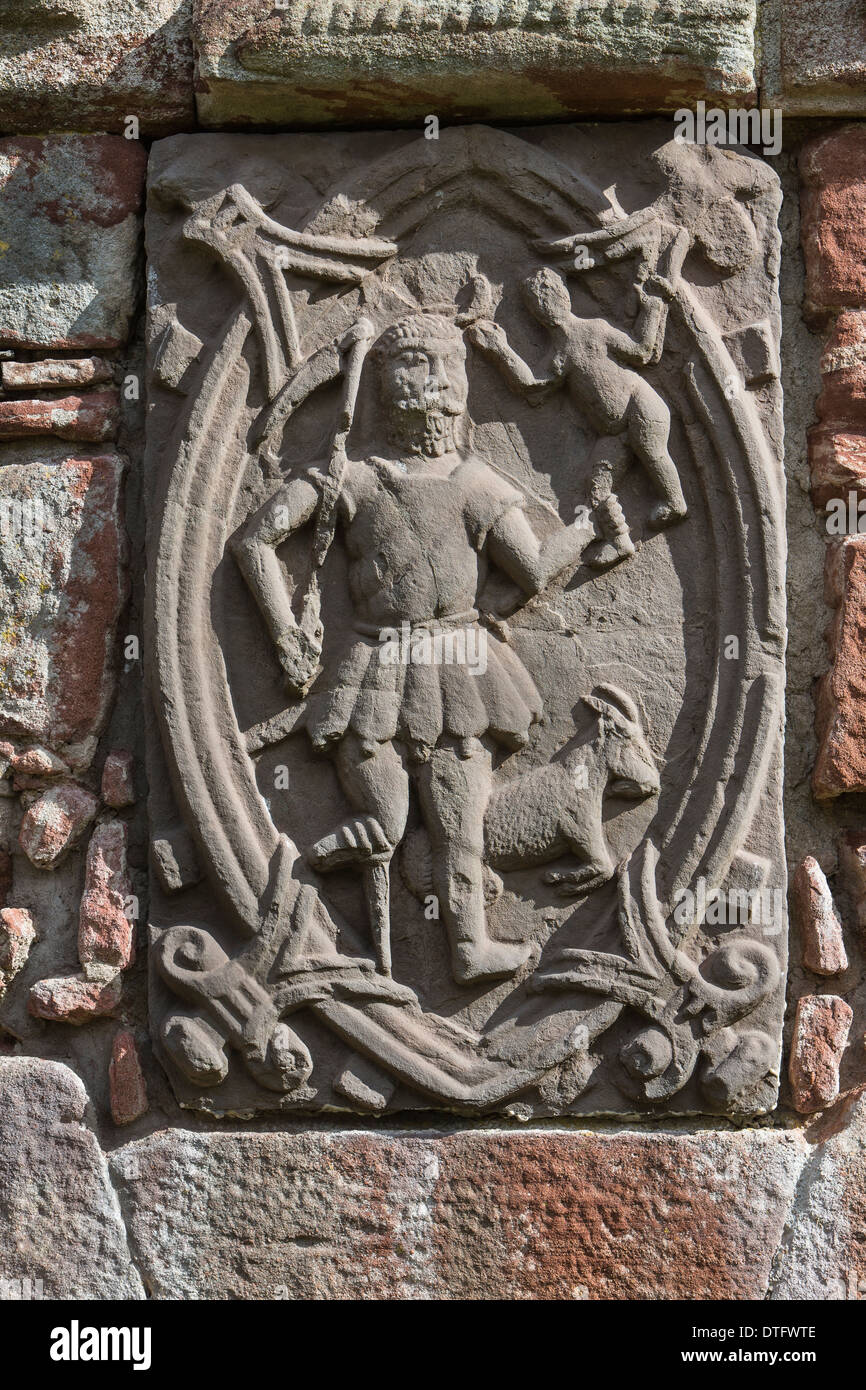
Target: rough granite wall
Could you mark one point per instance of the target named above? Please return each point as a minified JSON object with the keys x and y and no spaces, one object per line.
{"x":735,"y":1191}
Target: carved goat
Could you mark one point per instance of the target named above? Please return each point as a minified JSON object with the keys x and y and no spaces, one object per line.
{"x":556,"y":809}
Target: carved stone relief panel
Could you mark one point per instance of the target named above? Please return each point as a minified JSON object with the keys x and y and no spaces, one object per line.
{"x":466,"y":623}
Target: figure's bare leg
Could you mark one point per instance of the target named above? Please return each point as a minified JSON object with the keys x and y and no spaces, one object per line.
{"x":649,"y":424}
{"x":375,"y":781}
{"x":608,"y":461}
{"x":454,"y":787}
{"x":377,"y":785}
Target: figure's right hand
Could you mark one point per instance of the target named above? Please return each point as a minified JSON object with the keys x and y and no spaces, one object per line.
{"x":299,"y":654}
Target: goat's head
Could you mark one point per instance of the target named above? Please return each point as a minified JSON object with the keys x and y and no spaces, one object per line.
{"x":630,"y":762}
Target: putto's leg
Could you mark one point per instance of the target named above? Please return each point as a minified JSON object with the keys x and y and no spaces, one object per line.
{"x":454,"y":789}
{"x":609,"y":460}
{"x":648,"y":434}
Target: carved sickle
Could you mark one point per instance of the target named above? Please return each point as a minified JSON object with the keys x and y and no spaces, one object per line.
{"x":240,"y":233}
{"x":326,"y":518}
{"x":362,"y":336}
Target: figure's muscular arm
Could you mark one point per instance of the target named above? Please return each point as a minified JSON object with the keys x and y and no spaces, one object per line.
{"x":491,"y":340}
{"x":531,"y":563}
{"x":254,"y":547}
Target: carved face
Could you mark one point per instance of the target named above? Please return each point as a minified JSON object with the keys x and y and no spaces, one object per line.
{"x":632,"y":767}
{"x":547,"y":297}
{"x":426,"y":380}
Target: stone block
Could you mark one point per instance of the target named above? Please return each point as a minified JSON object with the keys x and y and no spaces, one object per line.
{"x":60,"y":1221}
{"x":62,"y":589}
{"x":465,"y":825}
{"x":70,"y":239}
{"x":493,"y":1215}
{"x":89,"y":64}
{"x":316,"y":63}
{"x":820,"y":67}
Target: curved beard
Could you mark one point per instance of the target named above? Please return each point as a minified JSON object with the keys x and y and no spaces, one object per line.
{"x":428,"y":432}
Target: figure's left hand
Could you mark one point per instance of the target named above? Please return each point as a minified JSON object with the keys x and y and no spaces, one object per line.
{"x":360,"y":332}
{"x":488,"y":336}
{"x":658,"y":285}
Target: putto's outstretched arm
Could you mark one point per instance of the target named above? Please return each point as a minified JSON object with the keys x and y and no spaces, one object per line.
{"x":490,"y":338}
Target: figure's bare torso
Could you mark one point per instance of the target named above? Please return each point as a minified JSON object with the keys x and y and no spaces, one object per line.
{"x":600,"y":384}
{"x":414,"y":531}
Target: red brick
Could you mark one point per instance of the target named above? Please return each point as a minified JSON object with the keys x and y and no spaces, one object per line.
{"x":5,"y":876}
{"x":821,"y":1028}
{"x":118,"y":782}
{"x":837,"y":460}
{"x":105,"y":933}
{"x":841,"y":703}
{"x":54,"y":371}
{"x":91,"y":418}
{"x":127,"y":1087}
{"x":54,"y":822}
{"x":833,"y":169}
{"x":17,"y":935}
{"x":842,"y":401}
{"x":72,"y":999}
{"x":38,"y":762}
{"x":817,"y":921}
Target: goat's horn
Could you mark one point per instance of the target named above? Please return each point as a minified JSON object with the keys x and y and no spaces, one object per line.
{"x":624,"y":704}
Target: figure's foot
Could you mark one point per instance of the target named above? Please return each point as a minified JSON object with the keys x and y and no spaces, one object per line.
{"x":600,"y":555}
{"x":664,"y":514}
{"x":488,"y":960}
{"x":359,"y":840}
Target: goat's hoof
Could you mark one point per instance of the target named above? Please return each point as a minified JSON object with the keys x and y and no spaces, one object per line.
{"x":575,"y":882}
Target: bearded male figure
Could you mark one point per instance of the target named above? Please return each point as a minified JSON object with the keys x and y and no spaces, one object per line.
{"x":420,"y":526}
